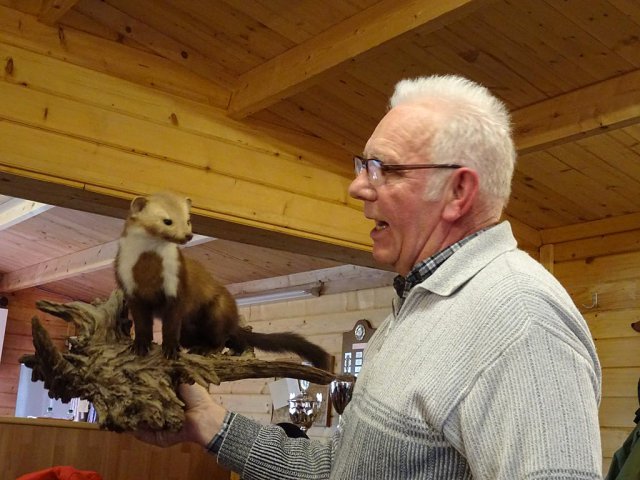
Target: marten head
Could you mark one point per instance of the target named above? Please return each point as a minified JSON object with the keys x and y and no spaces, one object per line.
{"x":164,"y":215}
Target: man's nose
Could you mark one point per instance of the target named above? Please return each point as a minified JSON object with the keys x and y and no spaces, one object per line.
{"x":360,"y":188}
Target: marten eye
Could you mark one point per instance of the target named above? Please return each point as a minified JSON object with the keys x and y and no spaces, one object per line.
{"x":168,"y":221}
{"x":188,"y":222}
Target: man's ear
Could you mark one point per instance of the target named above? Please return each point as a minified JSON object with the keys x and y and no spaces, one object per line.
{"x":462,"y":191}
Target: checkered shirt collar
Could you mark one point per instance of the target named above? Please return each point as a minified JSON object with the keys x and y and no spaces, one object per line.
{"x":424,"y":269}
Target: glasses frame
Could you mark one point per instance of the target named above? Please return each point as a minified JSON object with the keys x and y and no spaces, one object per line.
{"x":360,"y":164}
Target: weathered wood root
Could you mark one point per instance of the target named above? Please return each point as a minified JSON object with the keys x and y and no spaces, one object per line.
{"x":130,"y":392}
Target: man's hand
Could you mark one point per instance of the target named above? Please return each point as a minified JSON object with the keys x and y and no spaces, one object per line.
{"x":203,"y":419}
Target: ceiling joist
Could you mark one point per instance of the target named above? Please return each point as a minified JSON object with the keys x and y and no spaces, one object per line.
{"x":596,"y":228}
{"x":345,"y":278}
{"x":598,"y":108}
{"x":16,"y":210}
{"x":53,"y":10}
{"x":67,"y":266}
{"x":298,"y":68}
{"x":158,"y":42}
{"x":117,"y":60}
{"x":61,"y":268}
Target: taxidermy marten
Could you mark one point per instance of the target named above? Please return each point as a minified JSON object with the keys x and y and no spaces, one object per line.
{"x":196,"y":311}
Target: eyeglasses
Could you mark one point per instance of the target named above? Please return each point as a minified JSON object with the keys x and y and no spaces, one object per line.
{"x":375,"y":168}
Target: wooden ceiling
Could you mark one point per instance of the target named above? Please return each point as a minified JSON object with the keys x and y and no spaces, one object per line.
{"x":569,"y":70}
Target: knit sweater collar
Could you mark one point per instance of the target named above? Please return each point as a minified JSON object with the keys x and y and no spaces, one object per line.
{"x":497,"y":240}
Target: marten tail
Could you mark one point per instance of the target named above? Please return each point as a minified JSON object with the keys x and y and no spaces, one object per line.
{"x":286,"y":342}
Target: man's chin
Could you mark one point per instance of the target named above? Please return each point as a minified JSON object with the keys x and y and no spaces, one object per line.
{"x":383,"y":257}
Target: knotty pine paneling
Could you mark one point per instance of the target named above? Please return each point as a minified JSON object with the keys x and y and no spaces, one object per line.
{"x":609,"y":265}
{"x":598,"y":246}
{"x":18,"y":342}
{"x":601,"y":269}
{"x":618,"y":381}
{"x":115,"y":60}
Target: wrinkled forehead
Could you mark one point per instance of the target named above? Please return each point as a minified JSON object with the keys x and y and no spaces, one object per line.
{"x":403,"y":133}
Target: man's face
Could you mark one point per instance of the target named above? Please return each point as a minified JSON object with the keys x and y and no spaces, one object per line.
{"x":404,"y":220}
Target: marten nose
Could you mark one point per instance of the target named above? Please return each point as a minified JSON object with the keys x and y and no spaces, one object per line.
{"x":188,"y":237}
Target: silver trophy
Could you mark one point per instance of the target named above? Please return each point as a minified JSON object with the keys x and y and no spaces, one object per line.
{"x":340,"y":392}
{"x":303,"y":408}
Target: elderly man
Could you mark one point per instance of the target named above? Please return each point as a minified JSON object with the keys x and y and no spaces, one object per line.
{"x":485,"y":369}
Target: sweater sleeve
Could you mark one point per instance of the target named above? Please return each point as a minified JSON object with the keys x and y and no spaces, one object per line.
{"x":265,"y":452}
{"x":533,"y":414}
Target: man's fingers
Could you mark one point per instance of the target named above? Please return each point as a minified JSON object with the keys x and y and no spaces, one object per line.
{"x":193,"y":395}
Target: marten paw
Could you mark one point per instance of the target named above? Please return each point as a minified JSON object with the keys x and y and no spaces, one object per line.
{"x":140,"y":348}
{"x":169,"y":351}
{"x":201,"y":350}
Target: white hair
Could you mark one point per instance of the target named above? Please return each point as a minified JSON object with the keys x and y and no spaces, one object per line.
{"x":475,"y":131}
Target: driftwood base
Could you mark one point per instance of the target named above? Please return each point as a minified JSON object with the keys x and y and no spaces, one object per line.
{"x":130,"y":392}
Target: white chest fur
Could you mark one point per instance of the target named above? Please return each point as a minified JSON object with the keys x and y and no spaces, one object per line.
{"x":135,"y":242}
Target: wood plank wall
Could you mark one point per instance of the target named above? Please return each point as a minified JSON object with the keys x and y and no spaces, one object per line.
{"x":18,"y":341}
{"x":608,"y":265}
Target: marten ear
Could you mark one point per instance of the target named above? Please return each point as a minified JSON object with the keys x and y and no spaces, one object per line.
{"x":138,"y":203}
{"x":188,"y":200}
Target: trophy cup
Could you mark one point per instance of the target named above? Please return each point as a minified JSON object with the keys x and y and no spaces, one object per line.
{"x":303,"y":408}
{"x":340,"y":393}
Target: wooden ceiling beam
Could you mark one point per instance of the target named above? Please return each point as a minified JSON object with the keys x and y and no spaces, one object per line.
{"x":53,"y":10}
{"x":344,"y":278}
{"x":246,"y":186}
{"x":115,"y":60}
{"x":595,"y":228}
{"x":61,"y":268}
{"x":16,"y":210}
{"x":598,"y":108}
{"x":71,"y":265}
{"x":157,"y":42}
{"x":305,"y":64}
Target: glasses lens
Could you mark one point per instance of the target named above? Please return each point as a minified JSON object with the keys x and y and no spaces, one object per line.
{"x":358,"y":165}
{"x":375,"y":172}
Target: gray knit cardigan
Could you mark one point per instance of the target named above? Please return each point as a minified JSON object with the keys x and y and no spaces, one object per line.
{"x":486,"y":371}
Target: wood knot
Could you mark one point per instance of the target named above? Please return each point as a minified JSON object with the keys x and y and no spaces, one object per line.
{"x":470,"y":56}
{"x":8,"y":67}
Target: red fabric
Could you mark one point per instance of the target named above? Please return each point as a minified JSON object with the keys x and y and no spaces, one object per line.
{"x":61,"y":473}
